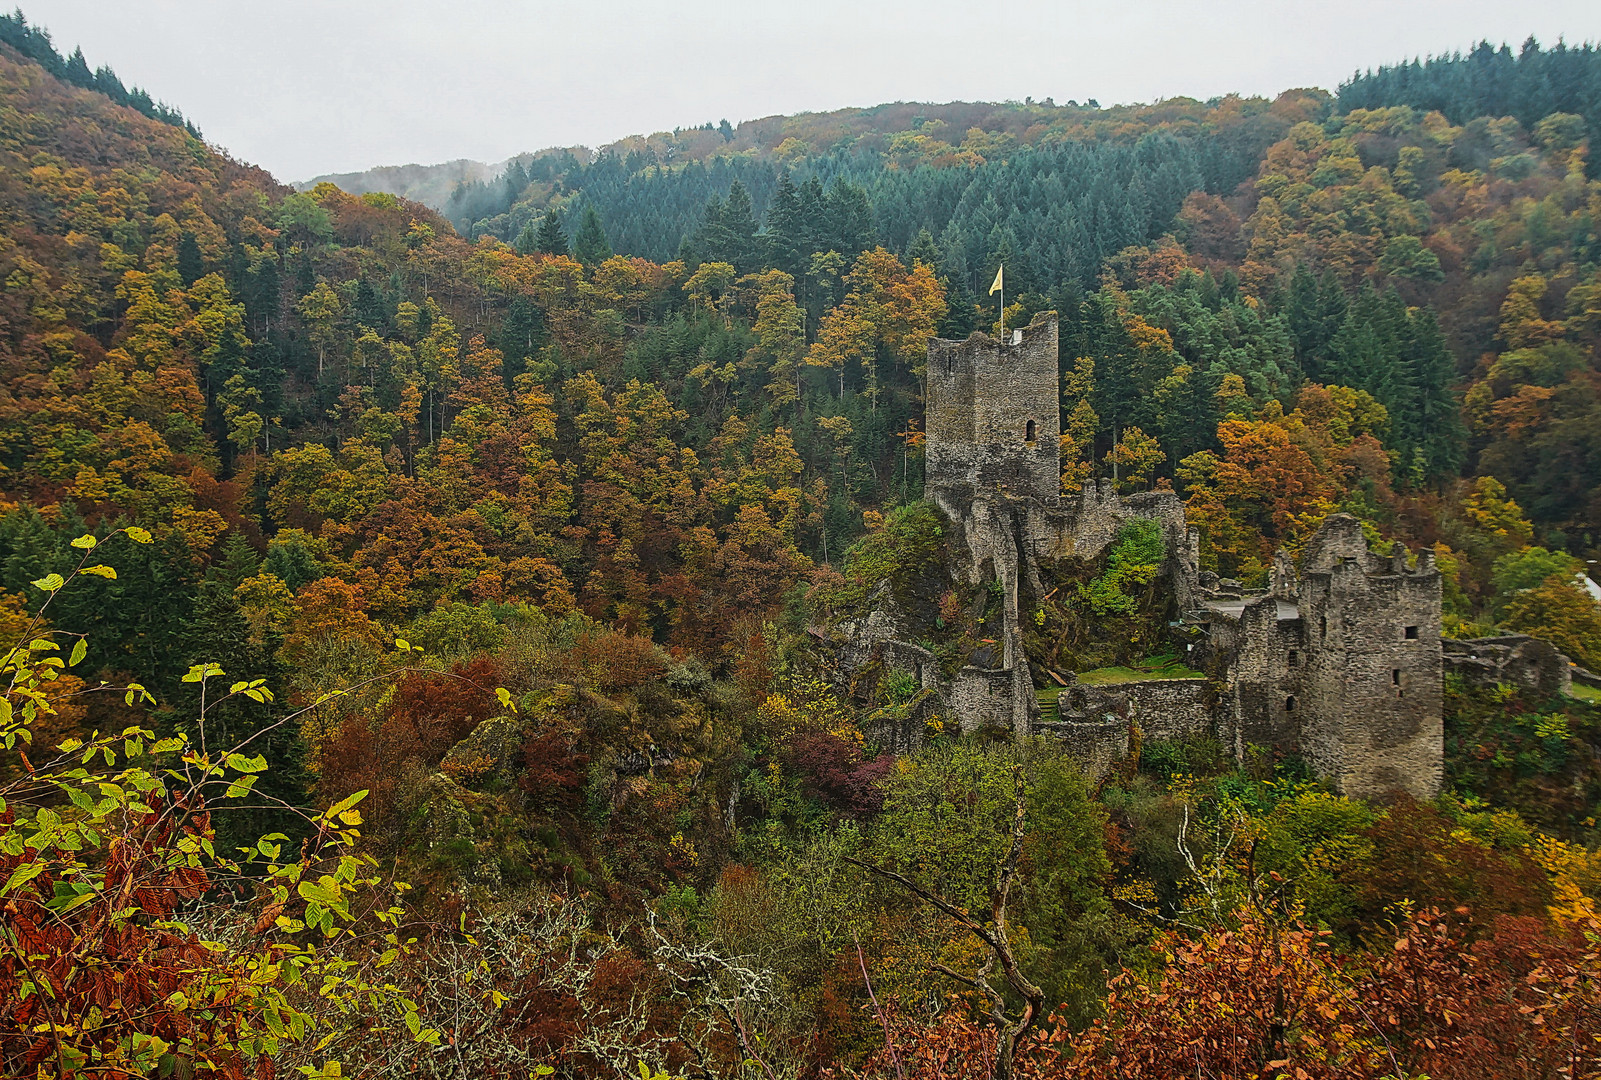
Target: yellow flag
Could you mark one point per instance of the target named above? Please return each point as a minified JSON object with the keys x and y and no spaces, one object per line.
{"x":995,"y":288}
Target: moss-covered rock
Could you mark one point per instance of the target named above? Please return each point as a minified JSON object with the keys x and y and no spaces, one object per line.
{"x":487,"y":753}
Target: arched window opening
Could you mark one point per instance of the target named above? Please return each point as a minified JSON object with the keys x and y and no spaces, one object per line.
{"x":1289,"y":704}
{"x":1028,"y":432}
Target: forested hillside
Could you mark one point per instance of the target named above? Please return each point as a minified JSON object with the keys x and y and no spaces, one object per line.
{"x":416,"y":630}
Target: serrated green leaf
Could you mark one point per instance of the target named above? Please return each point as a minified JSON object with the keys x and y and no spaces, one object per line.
{"x":79,"y":651}
{"x":22,"y":875}
{"x":101,"y":570}
{"x":85,"y":542}
{"x":50,"y":582}
{"x":199,"y":672}
{"x":344,"y":804}
{"x":138,"y":535}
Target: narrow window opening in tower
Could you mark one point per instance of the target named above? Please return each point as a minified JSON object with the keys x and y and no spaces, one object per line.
{"x":1323,"y":626}
{"x":1028,"y":432}
{"x":1411,"y":633}
{"x":1395,"y":676}
{"x":1289,"y":704}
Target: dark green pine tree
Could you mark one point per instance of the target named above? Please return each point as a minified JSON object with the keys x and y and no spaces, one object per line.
{"x":305,"y":276}
{"x":191,"y":263}
{"x":1391,"y":379}
{"x":1354,"y":352}
{"x":216,"y":631}
{"x":727,"y":233}
{"x":961,"y":315}
{"x":739,"y":229}
{"x":1432,"y":420}
{"x":77,"y":71}
{"x":589,"y":245}
{"x":260,"y":295}
{"x":1300,"y":311}
{"x":1118,"y":398}
{"x":369,"y":307}
{"x":550,"y":239}
{"x":293,"y":564}
{"x":1332,"y":308}
{"x":1190,"y":417}
{"x":814,"y":217}
{"x":237,"y":563}
{"x":521,"y":334}
{"x":923,"y":249}
{"x":849,"y":224}
{"x":783,"y":241}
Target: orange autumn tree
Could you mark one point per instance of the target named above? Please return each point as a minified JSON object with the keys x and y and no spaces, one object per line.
{"x":889,"y":313}
{"x":1256,"y":1000}
{"x":1278,"y":475}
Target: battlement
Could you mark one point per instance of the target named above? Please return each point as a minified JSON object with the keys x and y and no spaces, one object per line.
{"x":994,"y":417}
{"x":1339,"y":549}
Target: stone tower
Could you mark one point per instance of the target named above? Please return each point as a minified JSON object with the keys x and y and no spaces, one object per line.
{"x":1339,"y":661}
{"x":994,"y":418}
{"x":993,"y":461}
{"x":1371,"y":690}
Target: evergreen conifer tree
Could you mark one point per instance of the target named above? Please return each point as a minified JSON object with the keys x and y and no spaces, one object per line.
{"x":590,"y":246}
{"x":369,"y":307}
{"x":923,"y":249}
{"x":191,"y":264}
{"x":550,"y":239}
{"x":77,"y":71}
{"x":783,"y":240}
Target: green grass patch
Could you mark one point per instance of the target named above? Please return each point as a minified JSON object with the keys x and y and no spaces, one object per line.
{"x":1160,"y":667}
{"x":1586,"y":693}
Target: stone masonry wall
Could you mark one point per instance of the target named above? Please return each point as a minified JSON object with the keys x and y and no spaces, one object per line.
{"x":993,"y":418}
{"x":1516,"y":659}
{"x":1372,"y":689}
{"x":1170,"y":708}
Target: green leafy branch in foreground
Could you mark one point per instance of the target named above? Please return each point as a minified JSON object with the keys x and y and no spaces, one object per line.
{"x":105,"y":853}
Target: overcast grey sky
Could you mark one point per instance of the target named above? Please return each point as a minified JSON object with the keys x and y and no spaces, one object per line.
{"x":305,"y":87}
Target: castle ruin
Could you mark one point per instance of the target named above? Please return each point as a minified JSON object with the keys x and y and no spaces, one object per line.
{"x":1340,"y":660}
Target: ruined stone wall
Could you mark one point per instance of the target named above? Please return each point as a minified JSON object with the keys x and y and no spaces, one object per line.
{"x":994,"y":698}
{"x":1085,"y":525}
{"x":1371,"y":702}
{"x":1170,"y":708}
{"x":1265,"y":702}
{"x":1096,"y":744}
{"x":1514,"y":659}
{"x":993,"y":418}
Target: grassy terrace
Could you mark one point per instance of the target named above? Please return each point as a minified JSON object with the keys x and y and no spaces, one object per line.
{"x":1159,"y":667}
